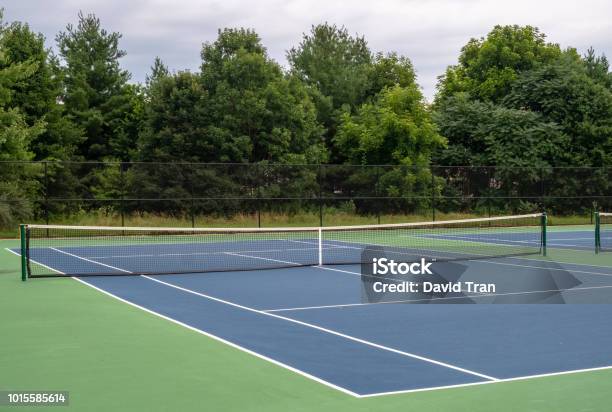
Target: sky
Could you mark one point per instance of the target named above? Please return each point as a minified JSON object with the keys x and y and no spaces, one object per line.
{"x":429,"y":32}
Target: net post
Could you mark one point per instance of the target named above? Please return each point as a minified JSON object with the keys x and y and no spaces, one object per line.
{"x":597,"y":232}
{"x":544,"y":223}
{"x":22,"y":236}
{"x":320,"y":246}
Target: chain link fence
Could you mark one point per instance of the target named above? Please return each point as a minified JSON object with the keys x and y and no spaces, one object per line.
{"x":262,"y":194}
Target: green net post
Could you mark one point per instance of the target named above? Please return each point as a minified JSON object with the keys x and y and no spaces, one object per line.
{"x":544,"y":224}
{"x":22,"y":236}
{"x":597,"y":232}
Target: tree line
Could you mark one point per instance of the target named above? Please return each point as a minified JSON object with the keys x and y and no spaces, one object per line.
{"x":513,"y":100}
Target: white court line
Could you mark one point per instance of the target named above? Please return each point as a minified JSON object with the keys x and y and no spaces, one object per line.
{"x":89,"y":260}
{"x":330,"y":331}
{"x":415,"y":250}
{"x":462,"y":385}
{"x":314,"y":378}
{"x":472,"y":239}
{"x":208,"y":253}
{"x":38,"y":263}
{"x":482,"y":295}
{"x":508,"y":240}
{"x":484,"y":240}
{"x":263,"y":258}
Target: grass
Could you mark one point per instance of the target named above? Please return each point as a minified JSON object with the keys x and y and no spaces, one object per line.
{"x":58,"y":334}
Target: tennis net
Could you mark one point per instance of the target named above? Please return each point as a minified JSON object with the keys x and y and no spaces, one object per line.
{"x":52,"y":250}
{"x":603,"y":232}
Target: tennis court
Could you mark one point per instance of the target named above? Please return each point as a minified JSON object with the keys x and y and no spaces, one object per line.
{"x":303,"y":308}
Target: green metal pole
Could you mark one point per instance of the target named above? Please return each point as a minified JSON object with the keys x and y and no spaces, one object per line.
{"x":544,"y":224}
{"x":22,"y":234}
{"x":597,"y":233}
{"x":433,"y":195}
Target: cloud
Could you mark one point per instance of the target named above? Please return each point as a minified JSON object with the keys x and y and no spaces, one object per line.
{"x":430,"y":33}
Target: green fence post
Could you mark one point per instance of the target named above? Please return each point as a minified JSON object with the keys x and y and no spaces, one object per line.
{"x":22,"y":235}
{"x":433,"y":195}
{"x":597,"y":233}
{"x":544,"y":224}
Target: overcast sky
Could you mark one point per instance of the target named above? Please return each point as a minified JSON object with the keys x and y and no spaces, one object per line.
{"x":430,"y":33}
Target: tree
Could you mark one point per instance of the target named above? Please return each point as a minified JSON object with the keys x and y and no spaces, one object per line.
{"x":17,"y":181}
{"x":390,"y":70}
{"x":15,"y":133}
{"x":488,"y":66}
{"x":567,"y":93}
{"x":37,"y":95}
{"x":240,"y":108}
{"x":394,"y":129}
{"x":175,"y":122}
{"x":487,"y":134}
{"x":598,"y":68}
{"x":97,"y":97}
{"x":158,"y":71}
{"x":268,"y":116}
{"x":521,"y":144}
{"x":336,"y":68}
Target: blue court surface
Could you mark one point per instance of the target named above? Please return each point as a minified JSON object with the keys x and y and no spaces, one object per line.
{"x":314,"y":321}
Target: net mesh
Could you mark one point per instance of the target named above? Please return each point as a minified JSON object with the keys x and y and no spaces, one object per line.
{"x":88,"y":251}
{"x":604,"y":231}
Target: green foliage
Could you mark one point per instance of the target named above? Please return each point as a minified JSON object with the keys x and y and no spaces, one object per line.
{"x":17,"y":182}
{"x":523,"y":106}
{"x":488,"y":66}
{"x":394,"y":129}
{"x":342,"y":74}
{"x":241,"y":108}
{"x":97,"y":97}
{"x":335,"y":63}
{"x":520,"y":143}
{"x":572,"y":96}
{"x":270,"y":116}
{"x":175,"y":121}
{"x":489,"y":134}
{"x":388,"y":71}
{"x":158,"y":71}
{"x":336,"y":68}
{"x":598,"y":68}
{"x":125,"y":115}
{"x":36,"y":95}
